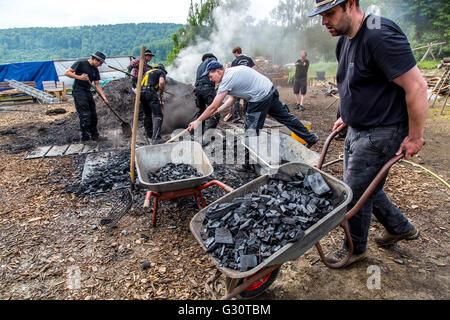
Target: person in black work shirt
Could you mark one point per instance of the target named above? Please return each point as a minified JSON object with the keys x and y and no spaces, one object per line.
{"x":205,"y":92}
{"x":241,"y":60}
{"x":383,"y":101}
{"x":154,"y":80}
{"x":84,"y":72}
{"x":300,"y":80}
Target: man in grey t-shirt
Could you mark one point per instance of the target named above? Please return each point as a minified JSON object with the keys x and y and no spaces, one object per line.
{"x":263,"y":99}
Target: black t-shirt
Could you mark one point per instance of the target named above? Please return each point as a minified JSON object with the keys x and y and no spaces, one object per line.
{"x":200,"y":70}
{"x":367,"y":66}
{"x":81,"y":67}
{"x":243,"y":61}
{"x":153,"y":77}
{"x":301,"y":69}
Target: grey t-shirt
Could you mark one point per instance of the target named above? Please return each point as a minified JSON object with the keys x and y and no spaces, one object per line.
{"x":245,"y":83}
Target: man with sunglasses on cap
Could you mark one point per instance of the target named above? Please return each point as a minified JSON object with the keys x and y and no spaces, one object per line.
{"x":205,"y":91}
{"x":242,"y":82}
{"x":133,"y":67}
{"x":83,"y":72}
{"x":383,"y":101}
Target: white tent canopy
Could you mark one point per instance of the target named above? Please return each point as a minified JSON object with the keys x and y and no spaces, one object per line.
{"x":106,"y":73}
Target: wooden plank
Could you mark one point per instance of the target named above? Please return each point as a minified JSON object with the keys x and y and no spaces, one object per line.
{"x":74,"y":149}
{"x":57,"y":151}
{"x":38,"y":153}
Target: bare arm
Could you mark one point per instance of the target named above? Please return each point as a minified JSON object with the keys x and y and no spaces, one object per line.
{"x":162,"y":84}
{"x":415,"y":88}
{"x":99,"y":89}
{"x":71,"y":74}
{"x":212,"y":108}
{"x":228,"y":104}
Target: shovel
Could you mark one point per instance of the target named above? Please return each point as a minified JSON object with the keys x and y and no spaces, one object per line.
{"x":187,"y":129}
{"x":126,"y":128}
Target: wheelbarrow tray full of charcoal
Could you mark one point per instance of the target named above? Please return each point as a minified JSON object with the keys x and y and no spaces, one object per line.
{"x":295,"y":241}
{"x":151,"y":158}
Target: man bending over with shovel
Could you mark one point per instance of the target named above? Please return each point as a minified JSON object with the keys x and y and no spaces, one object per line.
{"x":85,"y":72}
{"x":242,"y":82}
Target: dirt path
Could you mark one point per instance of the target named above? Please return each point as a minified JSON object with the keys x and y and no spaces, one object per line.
{"x":52,"y":245}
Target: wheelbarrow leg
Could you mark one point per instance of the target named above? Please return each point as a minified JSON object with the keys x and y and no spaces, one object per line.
{"x":340,"y":264}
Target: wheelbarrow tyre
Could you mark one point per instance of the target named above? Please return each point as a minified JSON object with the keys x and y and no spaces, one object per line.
{"x":255,"y":290}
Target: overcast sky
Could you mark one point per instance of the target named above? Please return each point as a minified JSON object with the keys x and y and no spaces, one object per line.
{"x":60,"y":13}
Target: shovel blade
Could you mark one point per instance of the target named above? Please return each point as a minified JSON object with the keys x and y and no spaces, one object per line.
{"x":126,"y":129}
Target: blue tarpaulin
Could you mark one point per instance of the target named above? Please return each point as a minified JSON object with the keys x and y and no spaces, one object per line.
{"x":29,"y":71}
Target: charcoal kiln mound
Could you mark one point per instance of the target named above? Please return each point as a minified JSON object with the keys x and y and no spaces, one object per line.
{"x":179,"y":104}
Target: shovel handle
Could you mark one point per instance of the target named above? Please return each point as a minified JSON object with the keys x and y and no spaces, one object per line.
{"x":178,"y":135}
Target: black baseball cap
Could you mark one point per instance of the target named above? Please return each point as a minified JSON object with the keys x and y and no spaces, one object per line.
{"x":207,"y":56}
{"x":99,"y":56}
{"x":324,"y":5}
{"x":148,"y":52}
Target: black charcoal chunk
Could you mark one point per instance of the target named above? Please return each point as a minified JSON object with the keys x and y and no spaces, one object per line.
{"x":248,"y":262}
{"x":318,"y":184}
{"x":223,"y":236}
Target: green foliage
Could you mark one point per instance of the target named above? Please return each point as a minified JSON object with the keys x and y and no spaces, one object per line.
{"x":35,"y":44}
{"x":428,"y":64}
{"x":200,"y":24}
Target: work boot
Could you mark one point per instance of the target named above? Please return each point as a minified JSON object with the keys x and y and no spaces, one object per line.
{"x":85,"y":138}
{"x":341,"y":254}
{"x":157,"y":124}
{"x":313,"y":141}
{"x":299,"y":107}
{"x":387,"y":239}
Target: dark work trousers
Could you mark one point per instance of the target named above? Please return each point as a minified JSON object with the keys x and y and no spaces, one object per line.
{"x":204,"y":96}
{"x":153,"y":115}
{"x":87,"y":113}
{"x":237,"y":112}
{"x":365,"y":153}
{"x":271,"y":105}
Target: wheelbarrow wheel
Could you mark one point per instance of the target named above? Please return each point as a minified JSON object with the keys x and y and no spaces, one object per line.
{"x":258,"y":287}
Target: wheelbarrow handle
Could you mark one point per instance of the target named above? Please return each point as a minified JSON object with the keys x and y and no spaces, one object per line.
{"x":325,"y":148}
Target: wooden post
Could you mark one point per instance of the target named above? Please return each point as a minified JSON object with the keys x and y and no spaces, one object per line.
{"x":445,"y":103}
{"x":136,"y":114}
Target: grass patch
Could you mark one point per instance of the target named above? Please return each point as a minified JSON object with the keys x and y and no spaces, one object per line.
{"x":428,"y":64}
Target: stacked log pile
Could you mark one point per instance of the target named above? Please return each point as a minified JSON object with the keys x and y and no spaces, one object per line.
{"x":279,"y":75}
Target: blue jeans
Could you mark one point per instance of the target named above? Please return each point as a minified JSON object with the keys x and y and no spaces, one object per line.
{"x":365,"y":153}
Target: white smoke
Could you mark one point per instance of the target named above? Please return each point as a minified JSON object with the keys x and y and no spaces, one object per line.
{"x":230,"y":26}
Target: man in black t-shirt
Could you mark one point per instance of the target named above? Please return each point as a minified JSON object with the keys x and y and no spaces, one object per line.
{"x":84,"y":72}
{"x":383,"y":101}
{"x":241,"y":60}
{"x":300,"y":80}
{"x":153,"y":81}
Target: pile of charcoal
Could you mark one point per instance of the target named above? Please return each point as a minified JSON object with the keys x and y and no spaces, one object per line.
{"x":173,"y":172}
{"x":241,"y":234}
{"x":115,"y":174}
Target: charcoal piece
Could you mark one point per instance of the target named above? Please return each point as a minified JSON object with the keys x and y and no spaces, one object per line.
{"x":223,"y":236}
{"x":247,"y":262}
{"x":265,"y":198}
{"x":289,"y":221}
{"x":279,"y":236}
{"x":271,"y":189}
{"x":241,"y":211}
{"x":286,"y":196}
{"x":276,"y":248}
{"x":280,"y":176}
{"x":318,"y":184}
{"x":213,"y":225}
{"x":275,"y":220}
{"x":297,"y":235}
{"x":208,"y":242}
{"x":246,"y":224}
{"x":225,"y":217}
{"x":272,"y":214}
{"x":283,"y":209}
{"x":311,"y":208}
{"x":299,"y":176}
{"x":221,"y":210}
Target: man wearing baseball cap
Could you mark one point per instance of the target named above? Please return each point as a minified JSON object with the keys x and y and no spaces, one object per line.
{"x":383,"y":101}
{"x":84,"y":72}
{"x":242,"y":82}
{"x":133,"y":67}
